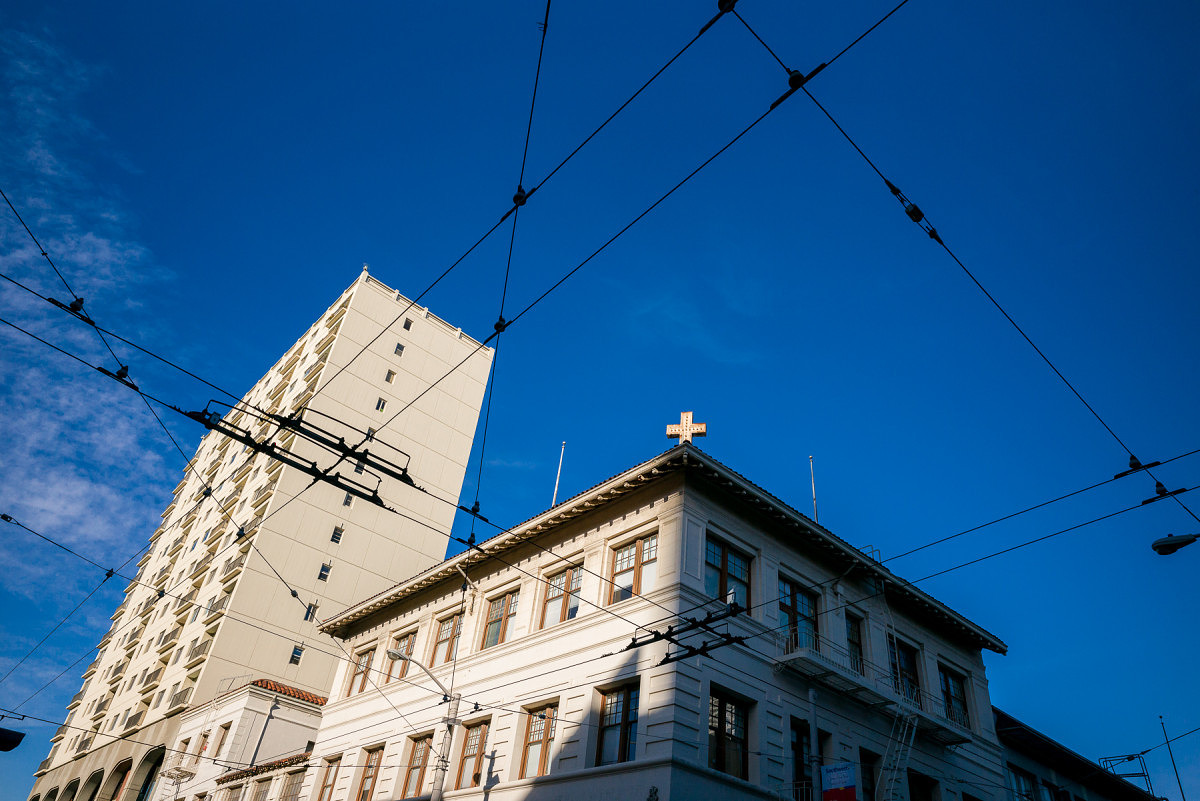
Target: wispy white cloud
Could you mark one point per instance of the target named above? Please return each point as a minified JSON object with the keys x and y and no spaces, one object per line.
{"x":82,"y":461}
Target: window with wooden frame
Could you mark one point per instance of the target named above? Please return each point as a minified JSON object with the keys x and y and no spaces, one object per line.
{"x":726,"y":573}
{"x":906,"y":678}
{"x":562,"y":596}
{"x":291,"y":786}
{"x":446,"y":646}
{"x":633,"y":568}
{"x":260,"y":790}
{"x":414,"y":772}
{"x":954,"y":696}
{"x":235,"y":793}
{"x":798,"y":616}
{"x":366,"y":785}
{"x":398,"y":668}
{"x":854,"y":643}
{"x":728,"y":746}
{"x":470,"y":766}
{"x":222,"y":735}
{"x":499,"y":617}
{"x":539,"y":739}
{"x":361,"y":672}
{"x":618,"y":725}
{"x":328,"y":777}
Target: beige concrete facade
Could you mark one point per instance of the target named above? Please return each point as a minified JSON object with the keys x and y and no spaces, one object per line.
{"x":685,"y":510}
{"x":207,"y":611}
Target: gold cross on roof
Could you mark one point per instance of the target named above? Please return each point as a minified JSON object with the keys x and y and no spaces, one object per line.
{"x":686,"y":429}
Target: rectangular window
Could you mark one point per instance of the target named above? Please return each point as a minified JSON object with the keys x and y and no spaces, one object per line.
{"x":260,"y":790}
{"x":407,"y":323}
{"x":618,"y":726}
{"x":905,"y":679}
{"x":235,"y":793}
{"x":297,"y":652}
{"x":499,"y":617}
{"x":798,"y":616}
{"x":562,"y":597}
{"x":414,"y":774}
{"x":634,"y":567}
{"x":802,"y":762}
{"x":328,"y":777}
{"x":854,"y":643}
{"x":222,"y":736}
{"x":470,"y":767}
{"x":726,"y":573}
{"x":446,"y":646}
{"x":398,"y":668}
{"x":728,"y":747}
{"x":539,"y":739}
{"x":399,"y":349}
{"x":310,"y":612}
{"x":366,"y":785}
{"x":389,"y":376}
{"x":869,"y":763}
{"x":291,"y":786}
{"x":323,"y":573}
{"x":360,"y":674}
{"x":954,"y":696}
{"x":380,"y":404}
{"x":348,"y":500}
{"x":360,"y":466}
{"x":1022,"y":784}
{"x":336,"y":536}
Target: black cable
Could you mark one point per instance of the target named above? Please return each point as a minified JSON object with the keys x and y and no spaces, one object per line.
{"x":918,"y":217}
{"x":761,"y":42}
{"x":131,"y":343}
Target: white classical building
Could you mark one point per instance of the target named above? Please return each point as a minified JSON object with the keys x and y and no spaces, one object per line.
{"x":212,"y":605}
{"x":567,"y":639}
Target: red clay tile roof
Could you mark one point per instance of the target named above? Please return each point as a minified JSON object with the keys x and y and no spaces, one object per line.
{"x":265,"y":767}
{"x":303,"y":695}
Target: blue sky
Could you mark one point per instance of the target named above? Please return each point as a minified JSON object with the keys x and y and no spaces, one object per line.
{"x":210,"y":178}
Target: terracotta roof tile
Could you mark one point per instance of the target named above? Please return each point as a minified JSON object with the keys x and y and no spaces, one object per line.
{"x":303,"y":695}
{"x":265,"y":767}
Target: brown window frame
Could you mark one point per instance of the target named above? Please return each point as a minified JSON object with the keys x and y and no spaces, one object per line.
{"x":717,"y":740}
{"x":639,"y":560}
{"x":628,"y":696}
{"x":795,"y":618}
{"x":475,"y":777}
{"x":571,"y":587}
{"x":509,"y":605}
{"x":455,"y":622}
{"x":290,"y":791}
{"x":325,"y":791}
{"x":370,"y":774}
{"x":725,"y":550}
{"x":401,"y":665}
{"x":261,"y":789}
{"x":362,"y":671}
{"x":419,"y":746}
{"x":547,"y":726}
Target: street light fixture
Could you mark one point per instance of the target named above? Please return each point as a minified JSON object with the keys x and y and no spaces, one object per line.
{"x":1169,"y":544}
{"x":443,"y":759}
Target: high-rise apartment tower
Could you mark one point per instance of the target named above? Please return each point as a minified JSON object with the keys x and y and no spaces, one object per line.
{"x":207,"y":611}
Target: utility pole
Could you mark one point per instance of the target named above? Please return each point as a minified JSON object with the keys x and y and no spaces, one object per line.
{"x":451,"y":720}
{"x":1167,"y":742}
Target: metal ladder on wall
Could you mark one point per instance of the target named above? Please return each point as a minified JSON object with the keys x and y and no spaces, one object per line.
{"x":893,"y":769}
{"x":894,"y":766}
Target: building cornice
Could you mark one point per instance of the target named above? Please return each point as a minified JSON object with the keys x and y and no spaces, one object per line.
{"x":695,"y":466}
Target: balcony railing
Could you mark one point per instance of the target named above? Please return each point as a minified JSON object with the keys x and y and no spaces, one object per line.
{"x":60,"y":733}
{"x":75,"y":699}
{"x":84,"y":745}
{"x":117,"y":673}
{"x":198,"y":653}
{"x":181,"y":698}
{"x":170,"y":640}
{"x":849,"y":673}
{"x":217,"y":606}
{"x":232,"y":564}
{"x":45,"y":764}
{"x":152,"y":679}
{"x":186,"y":600}
{"x":134,"y":720}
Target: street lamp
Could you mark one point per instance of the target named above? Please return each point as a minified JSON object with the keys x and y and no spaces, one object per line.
{"x":443,"y":760}
{"x":1170,"y":544}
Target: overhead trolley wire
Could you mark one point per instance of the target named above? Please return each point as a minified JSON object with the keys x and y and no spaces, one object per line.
{"x":796,"y":81}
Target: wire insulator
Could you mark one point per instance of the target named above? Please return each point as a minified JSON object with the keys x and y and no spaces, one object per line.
{"x":520,"y":197}
{"x":76,"y":305}
{"x":914,"y":212}
{"x":500,"y":325}
{"x":725,"y":6}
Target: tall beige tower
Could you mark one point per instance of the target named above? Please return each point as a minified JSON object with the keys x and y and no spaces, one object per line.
{"x":207,"y":611}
